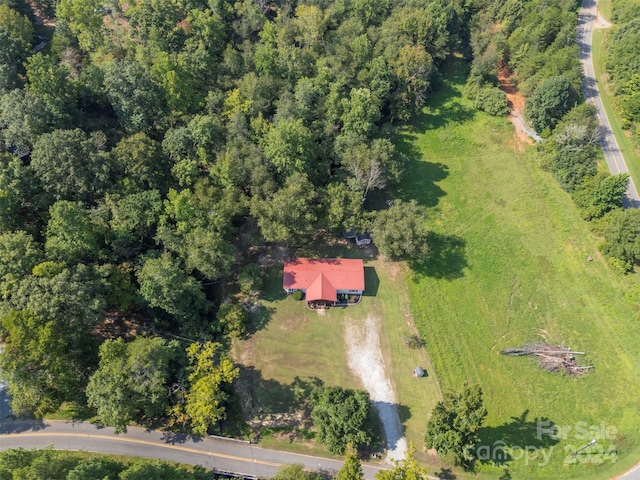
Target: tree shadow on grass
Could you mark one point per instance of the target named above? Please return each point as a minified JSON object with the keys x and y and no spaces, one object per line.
{"x":447,"y":258}
{"x":428,"y":193}
{"x":404,"y":412}
{"x":421,"y":177}
{"x":445,"y":474}
{"x":261,"y":396}
{"x":444,"y":110}
{"x":259,"y":317}
{"x":445,"y":107}
{"x":258,"y":405}
{"x":506,"y":475}
{"x":273,"y":290}
{"x":529,"y":436}
{"x":371,"y":282}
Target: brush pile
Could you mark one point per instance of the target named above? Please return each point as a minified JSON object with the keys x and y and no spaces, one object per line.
{"x":553,"y":358}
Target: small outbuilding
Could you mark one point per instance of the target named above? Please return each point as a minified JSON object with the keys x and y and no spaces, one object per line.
{"x":360,"y":238}
{"x":363,"y":239}
{"x":418,"y":372}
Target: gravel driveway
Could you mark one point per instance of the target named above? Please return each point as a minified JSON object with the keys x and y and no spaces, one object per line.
{"x":366,"y":362}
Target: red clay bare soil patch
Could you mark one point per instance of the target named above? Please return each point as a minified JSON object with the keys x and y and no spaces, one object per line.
{"x":516,"y":104}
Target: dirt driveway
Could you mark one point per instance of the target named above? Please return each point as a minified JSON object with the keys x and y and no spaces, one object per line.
{"x":366,"y":362}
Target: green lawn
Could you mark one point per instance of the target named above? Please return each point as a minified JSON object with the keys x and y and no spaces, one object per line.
{"x":628,"y":149}
{"x":604,"y":9}
{"x":297,"y":342}
{"x":510,"y":266}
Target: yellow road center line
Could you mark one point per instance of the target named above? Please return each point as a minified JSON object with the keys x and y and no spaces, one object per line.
{"x":143,"y":442}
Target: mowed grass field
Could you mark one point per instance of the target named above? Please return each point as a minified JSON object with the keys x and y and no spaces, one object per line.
{"x":510,"y":266}
{"x":294,"y":341}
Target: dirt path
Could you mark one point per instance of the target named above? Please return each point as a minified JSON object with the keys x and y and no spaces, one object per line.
{"x":601,"y":22}
{"x":516,"y":108}
{"x":366,"y":362}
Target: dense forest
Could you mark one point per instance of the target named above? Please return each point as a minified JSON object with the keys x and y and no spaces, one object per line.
{"x":535,"y":41}
{"x":622,"y":62}
{"x":150,"y":149}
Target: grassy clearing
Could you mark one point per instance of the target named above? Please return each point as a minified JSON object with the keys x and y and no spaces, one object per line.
{"x":297,"y":342}
{"x":628,"y":149}
{"x":73,"y":411}
{"x":604,"y":9}
{"x":510,"y":266}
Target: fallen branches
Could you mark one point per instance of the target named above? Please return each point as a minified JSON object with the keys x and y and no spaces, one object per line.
{"x":553,"y":358}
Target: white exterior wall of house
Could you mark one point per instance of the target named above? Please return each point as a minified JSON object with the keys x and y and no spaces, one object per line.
{"x":353,"y":292}
{"x":291,"y":290}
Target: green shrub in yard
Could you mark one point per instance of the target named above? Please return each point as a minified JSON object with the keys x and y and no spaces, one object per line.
{"x":233,"y":319}
{"x":486,"y":97}
{"x":250,"y":279}
{"x":297,"y":295}
{"x":492,"y":100}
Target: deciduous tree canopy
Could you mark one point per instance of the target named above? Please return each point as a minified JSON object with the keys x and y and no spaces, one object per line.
{"x":400,"y":231}
{"x":453,"y":427}
{"x":131,"y":380}
{"x":209,"y":371}
{"x":341,"y":417}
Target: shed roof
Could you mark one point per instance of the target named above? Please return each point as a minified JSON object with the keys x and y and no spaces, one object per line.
{"x":322,"y":277}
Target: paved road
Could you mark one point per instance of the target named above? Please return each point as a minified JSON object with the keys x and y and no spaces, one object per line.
{"x":615,"y":160}
{"x":633,"y":474}
{"x":238,"y":457}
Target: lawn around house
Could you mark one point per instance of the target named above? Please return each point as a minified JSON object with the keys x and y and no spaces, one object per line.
{"x":509,"y":266}
{"x":298,"y":342}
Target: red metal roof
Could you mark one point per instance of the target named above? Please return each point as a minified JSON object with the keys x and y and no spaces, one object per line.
{"x":322,"y":277}
{"x":321,"y":289}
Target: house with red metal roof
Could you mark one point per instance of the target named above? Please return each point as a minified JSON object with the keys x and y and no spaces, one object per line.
{"x":325,"y":281}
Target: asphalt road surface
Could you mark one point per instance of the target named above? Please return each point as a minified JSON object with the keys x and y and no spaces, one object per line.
{"x":615,"y":160}
{"x":633,"y":474}
{"x":225,"y":455}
